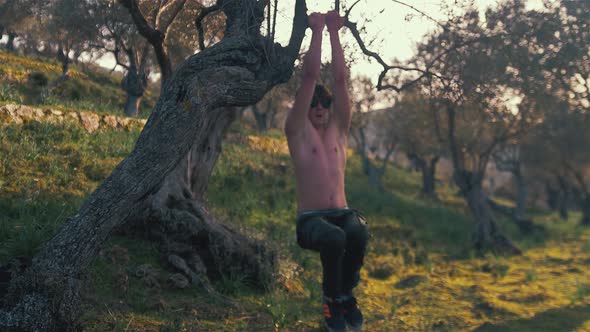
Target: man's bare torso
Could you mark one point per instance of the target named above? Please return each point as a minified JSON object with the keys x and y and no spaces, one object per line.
{"x":320,"y":163}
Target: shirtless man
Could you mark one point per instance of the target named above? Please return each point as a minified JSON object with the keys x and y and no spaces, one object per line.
{"x":317,"y":144}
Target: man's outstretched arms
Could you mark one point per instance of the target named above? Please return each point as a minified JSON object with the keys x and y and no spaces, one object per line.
{"x":297,"y":116}
{"x":342,"y":112}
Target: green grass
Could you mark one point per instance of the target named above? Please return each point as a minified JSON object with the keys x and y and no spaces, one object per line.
{"x":89,"y":88}
{"x":48,"y":169}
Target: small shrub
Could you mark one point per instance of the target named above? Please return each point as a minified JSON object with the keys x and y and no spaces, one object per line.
{"x":37,"y":79}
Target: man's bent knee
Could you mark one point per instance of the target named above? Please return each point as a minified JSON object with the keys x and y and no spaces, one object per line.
{"x":357,"y":236}
{"x":333,"y":240}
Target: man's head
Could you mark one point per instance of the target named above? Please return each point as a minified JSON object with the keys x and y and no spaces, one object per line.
{"x":319,"y":110}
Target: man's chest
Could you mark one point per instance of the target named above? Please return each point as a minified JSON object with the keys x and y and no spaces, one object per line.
{"x":328,"y":150}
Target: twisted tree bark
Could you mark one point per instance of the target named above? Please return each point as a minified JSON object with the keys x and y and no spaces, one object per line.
{"x":237,"y":71}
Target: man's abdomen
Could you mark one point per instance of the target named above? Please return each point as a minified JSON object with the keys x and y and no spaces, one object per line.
{"x":320,"y":190}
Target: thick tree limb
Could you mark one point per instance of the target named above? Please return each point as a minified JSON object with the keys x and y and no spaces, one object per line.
{"x":152,"y":35}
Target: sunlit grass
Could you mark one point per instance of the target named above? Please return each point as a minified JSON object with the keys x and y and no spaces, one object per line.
{"x":89,"y":89}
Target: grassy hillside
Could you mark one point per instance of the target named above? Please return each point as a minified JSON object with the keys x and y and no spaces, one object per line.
{"x":420,"y":273}
{"x":88,"y":88}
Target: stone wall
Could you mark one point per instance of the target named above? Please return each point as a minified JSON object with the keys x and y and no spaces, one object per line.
{"x":12,"y":113}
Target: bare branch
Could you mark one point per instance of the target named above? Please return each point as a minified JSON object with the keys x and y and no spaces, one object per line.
{"x":152,"y":35}
{"x":199,"y":23}
{"x":163,"y":5}
{"x":117,"y":60}
{"x":421,"y":13}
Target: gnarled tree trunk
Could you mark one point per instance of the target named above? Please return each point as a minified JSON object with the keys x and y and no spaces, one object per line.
{"x":428,"y":169}
{"x":486,"y":236}
{"x":178,"y":219}
{"x":234,"y":72}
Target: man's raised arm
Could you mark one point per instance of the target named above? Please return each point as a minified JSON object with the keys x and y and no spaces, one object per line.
{"x":297,"y":116}
{"x":342,"y":113}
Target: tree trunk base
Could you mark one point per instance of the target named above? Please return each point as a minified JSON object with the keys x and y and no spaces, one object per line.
{"x":190,"y":240}
{"x":203,"y":249}
{"x":429,"y":196}
{"x":38,"y":308}
{"x":498,"y":244}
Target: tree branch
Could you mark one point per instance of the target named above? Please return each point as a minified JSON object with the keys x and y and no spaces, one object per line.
{"x":274,"y":21}
{"x":152,"y":35}
{"x":175,"y":13}
{"x":117,"y":60}
{"x":199,"y":23}
{"x":422,"y":13}
{"x":298,"y":29}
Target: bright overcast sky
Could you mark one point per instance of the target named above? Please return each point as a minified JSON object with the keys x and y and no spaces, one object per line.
{"x":401,"y":27}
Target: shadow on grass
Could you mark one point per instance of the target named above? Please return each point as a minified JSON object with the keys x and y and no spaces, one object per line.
{"x":396,"y":216}
{"x":562,"y":319}
{"x":444,"y":227}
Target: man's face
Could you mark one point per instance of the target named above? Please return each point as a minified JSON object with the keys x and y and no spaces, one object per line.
{"x":318,"y":115}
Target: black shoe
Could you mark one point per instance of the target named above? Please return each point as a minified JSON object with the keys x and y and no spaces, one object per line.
{"x":333,"y":318}
{"x":352,"y":314}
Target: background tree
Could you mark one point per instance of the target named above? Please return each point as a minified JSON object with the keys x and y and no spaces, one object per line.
{"x":508,"y":158}
{"x":16,"y":17}
{"x":69,"y":29}
{"x":153,"y":20}
{"x":418,"y":127}
{"x":473,"y":83}
{"x":363,"y":92}
{"x":119,"y":36}
{"x":266,"y":111}
{"x":565,"y":159}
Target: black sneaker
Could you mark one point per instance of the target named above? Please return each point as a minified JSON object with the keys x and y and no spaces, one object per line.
{"x":333,"y":318}
{"x":352,"y":313}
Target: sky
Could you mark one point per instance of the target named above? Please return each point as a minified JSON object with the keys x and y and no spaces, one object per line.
{"x":400,"y":26}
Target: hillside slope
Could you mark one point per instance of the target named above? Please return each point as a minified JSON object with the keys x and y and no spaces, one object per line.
{"x":89,"y":88}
